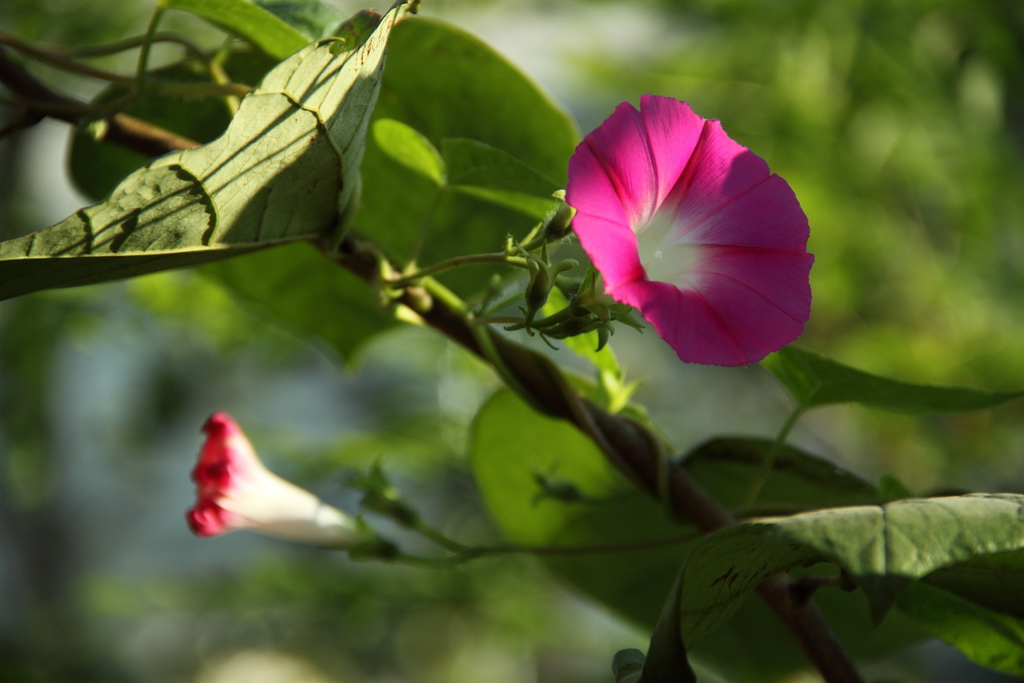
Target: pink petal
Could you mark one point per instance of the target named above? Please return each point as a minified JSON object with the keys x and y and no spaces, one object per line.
{"x":621,"y":147}
{"x":219,"y":427}
{"x":592,"y":190}
{"x":718,"y":170}
{"x":226,"y":457}
{"x":673,"y":131}
{"x":765,"y":215}
{"x":756,"y":324}
{"x":612,"y":248}
{"x":686,"y":321}
{"x":779,"y":276}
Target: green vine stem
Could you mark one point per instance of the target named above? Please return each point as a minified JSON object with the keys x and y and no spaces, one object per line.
{"x":462,"y":554}
{"x":120,"y":129}
{"x":87,"y":51}
{"x":773,"y":455}
{"x":222,"y":86}
{"x":413,"y":278}
{"x":628,"y":445}
{"x":147,"y":42}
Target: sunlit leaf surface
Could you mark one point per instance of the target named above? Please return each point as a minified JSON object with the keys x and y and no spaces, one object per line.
{"x":884,"y":548}
{"x":285,"y":170}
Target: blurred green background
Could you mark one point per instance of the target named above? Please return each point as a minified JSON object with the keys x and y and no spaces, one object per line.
{"x":899,"y":125}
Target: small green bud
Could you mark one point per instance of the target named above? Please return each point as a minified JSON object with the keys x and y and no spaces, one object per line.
{"x":559,"y":223}
{"x":542,"y":278}
{"x":623,"y":313}
{"x":561,"y":490}
{"x":383,"y":498}
{"x":390,"y":506}
{"x":538,"y":289}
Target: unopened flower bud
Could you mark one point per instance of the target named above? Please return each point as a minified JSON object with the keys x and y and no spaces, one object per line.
{"x":542,"y":278}
{"x":235,"y":490}
{"x":559,"y":223}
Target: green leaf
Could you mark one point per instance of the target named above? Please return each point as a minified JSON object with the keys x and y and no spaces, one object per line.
{"x":666,"y":658}
{"x":985,"y":635}
{"x":798,"y":482}
{"x":816,"y":381}
{"x":483,"y":171}
{"x":995,"y":581}
{"x":252,"y":22}
{"x":514,"y":451}
{"x":97,"y":167}
{"x":296,"y":284}
{"x":408,"y":147}
{"x":512,"y":448}
{"x":312,"y":18}
{"x":884,"y":548}
{"x":468,"y":167}
{"x":285,"y":170}
{"x":891,"y":488}
{"x":439,"y":81}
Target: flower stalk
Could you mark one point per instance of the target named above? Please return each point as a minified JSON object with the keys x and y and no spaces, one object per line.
{"x":628,"y":445}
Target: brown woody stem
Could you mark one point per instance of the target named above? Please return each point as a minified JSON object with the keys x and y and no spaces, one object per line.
{"x":121,"y":129}
{"x":628,"y":445}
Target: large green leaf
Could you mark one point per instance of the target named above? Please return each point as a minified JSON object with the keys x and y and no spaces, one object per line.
{"x":312,"y":18}
{"x":286,"y":169}
{"x":445,"y":83}
{"x":816,"y":381}
{"x":263,"y":28}
{"x":297,"y":285}
{"x":987,"y":635}
{"x":797,"y":483}
{"x":884,"y":548}
{"x":469,"y":167}
{"x":583,"y":502}
{"x":513,"y":449}
{"x":97,"y":166}
{"x":409,"y":148}
{"x":995,"y":581}
{"x":495,"y":176}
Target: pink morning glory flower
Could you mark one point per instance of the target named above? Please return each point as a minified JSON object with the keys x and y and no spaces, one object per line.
{"x":235,"y":490}
{"x":694,"y":231}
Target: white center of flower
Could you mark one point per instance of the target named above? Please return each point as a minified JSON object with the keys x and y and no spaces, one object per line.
{"x":666,"y":253}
